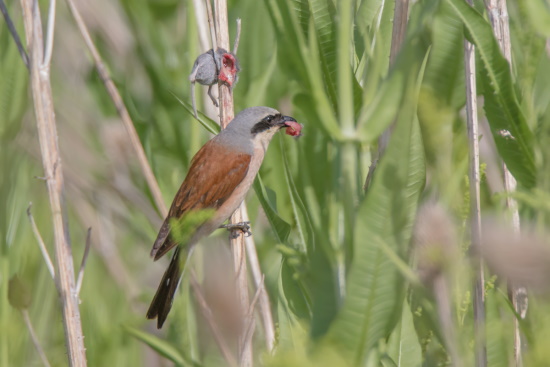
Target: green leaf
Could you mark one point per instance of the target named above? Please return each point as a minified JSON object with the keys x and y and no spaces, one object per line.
{"x":386,"y":214}
{"x":206,"y":122}
{"x":445,"y":70}
{"x":320,"y":280}
{"x":499,"y":337}
{"x":280,"y":227}
{"x":301,"y":214}
{"x":19,"y":293}
{"x":293,"y":310}
{"x":301,"y":56}
{"x":382,"y":111}
{"x":301,"y":7}
{"x":162,"y":347}
{"x":184,"y":227}
{"x":403,"y":345}
{"x":513,"y":138}
{"x":322,"y":12}
{"x":539,"y":15}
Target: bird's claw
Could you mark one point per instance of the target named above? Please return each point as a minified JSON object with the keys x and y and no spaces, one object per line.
{"x":243,"y":226}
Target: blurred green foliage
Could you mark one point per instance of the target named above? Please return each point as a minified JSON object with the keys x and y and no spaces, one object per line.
{"x":337,"y":258}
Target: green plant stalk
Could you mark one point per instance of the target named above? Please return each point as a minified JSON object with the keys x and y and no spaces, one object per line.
{"x":498,"y":14}
{"x":346,"y":117}
{"x":4,"y":310}
{"x":475,"y":211}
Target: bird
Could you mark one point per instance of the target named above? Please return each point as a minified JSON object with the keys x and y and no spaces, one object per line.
{"x":213,"y":67}
{"x":219,"y":177}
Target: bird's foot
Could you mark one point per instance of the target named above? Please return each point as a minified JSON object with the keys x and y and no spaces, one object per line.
{"x":243,"y":226}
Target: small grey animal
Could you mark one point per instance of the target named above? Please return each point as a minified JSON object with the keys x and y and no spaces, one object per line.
{"x":210,"y":68}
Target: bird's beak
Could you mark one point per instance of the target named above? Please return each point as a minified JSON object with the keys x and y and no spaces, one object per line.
{"x":285,"y":121}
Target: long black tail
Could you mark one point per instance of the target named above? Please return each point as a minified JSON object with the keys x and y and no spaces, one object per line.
{"x":162,"y":302}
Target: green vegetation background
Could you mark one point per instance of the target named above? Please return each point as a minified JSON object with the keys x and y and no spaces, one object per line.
{"x":337,"y":259}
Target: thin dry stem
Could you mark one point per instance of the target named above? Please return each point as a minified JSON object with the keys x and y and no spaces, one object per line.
{"x":239,"y":262}
{"x":498,"y":13}
{"x":83,"y":263}
{"x":237,"y":239}
{"x":41,"y":243}
{"x":121,"y":109}
{"x":204,"y":41}
{"x":49,"y":34}
{"x":265,"y":305}
{"x":207,"y":313}
{"x":14,"y":34}
{"x":203,"y":31}
{"x":250,"y":321}
{"x":237,"y":37}
{"x":47,"y":135}
{"x":213,"y":31}
{"x":475,"y":212}
{"x":34,"y":338}
{"x":442,"y":294}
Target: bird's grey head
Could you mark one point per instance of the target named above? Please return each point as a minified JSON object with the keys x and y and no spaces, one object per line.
{"x":259,"y":121}
{"x":254,"y":126}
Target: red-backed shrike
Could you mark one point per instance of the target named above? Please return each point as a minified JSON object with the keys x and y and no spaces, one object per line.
{"x":220,"y":175}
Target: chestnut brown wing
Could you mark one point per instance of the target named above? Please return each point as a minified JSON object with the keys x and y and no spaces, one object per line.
{"x":214,"y":173}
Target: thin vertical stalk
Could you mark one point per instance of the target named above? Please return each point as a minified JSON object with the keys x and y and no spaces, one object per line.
{"x":200,"y":15}
{"x":265,"y":305}
{"x":4,"y":309}
{"x":498,"y":13}
{"x":212,"y":25}
{"x":121,"y":109}
{"x":474,"y":179}
{"x":51,"y":160}
{"x":237,"y":238}
{"x":13,"y":32}
{"x":442,"y":294}
{"x":34,"y":338}
{"x":346,"y":117}
{"x":400,"y":20}
{"x":207,"y":313}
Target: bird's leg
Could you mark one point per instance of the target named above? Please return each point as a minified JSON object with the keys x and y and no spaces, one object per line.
{"x":243,"y":226}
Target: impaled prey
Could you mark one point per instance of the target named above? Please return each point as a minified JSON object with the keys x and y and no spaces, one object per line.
{"x":213,"y":67}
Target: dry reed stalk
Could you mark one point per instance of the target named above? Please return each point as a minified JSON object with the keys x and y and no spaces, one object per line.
{"x":498,"y":14}
{"x":121,"y":109}
{"x":47,"y":134}
{"x":84,"y":259}
{"x":265,"y":305}
{"x":475,"y":211}
{"x":207,"y":314}
{"x":237,"y":238}
{"x":34,"y":338}
{"x":41,"y":243}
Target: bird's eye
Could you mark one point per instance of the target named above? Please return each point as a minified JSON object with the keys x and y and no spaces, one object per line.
{"x":269,"y":118}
